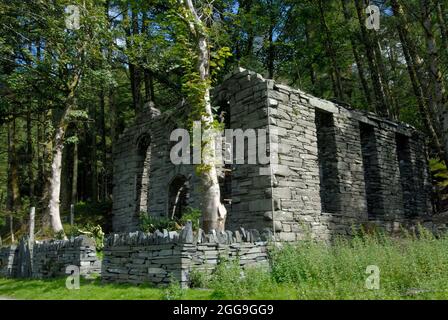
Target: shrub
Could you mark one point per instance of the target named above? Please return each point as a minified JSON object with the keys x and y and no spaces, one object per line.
{"x":2,"y":221}
{"x":149,"y":223}
{"x":199,"y":278}
{"x":320,"y":271}
{"x":90,"y":230}
{"x":193,"y":215}
{"x":173,"y":291}
{"x":94,"y":213}
{"x":230,"y":281}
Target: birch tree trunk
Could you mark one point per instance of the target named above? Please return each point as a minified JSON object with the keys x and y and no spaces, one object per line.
{"x":56,"y":162}
{"x":55,"y":181}
{"x":213,"y":211}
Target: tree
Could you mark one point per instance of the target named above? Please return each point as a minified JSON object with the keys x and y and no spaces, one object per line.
{"x":197,"y":81}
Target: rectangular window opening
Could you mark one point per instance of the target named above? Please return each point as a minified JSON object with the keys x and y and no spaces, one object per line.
{"x":372,"y":177}
{"x":406,"y":174}
{"x":328,"y":163}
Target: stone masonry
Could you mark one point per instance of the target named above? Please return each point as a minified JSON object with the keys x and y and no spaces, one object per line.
{"x":336,"y":168}
{"x":49,"y":259}
{"x":156,"y":258}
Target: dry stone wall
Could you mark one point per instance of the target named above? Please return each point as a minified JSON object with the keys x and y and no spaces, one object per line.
{"x":50,"y":258}
{"x":158,"y":257}
{"x":8,"y":265}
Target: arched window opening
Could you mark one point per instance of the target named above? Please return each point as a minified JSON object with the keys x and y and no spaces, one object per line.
{"x":225,"y":180}
{"x":178,"y":197}
{"x":142,"y":176}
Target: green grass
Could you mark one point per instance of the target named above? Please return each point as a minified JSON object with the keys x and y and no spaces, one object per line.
{"x":410,"y":268}
{"x":55,"y":289}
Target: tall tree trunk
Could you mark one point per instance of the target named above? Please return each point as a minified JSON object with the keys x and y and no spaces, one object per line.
{"x":271,"y":49}
{"x":440,"y":7}
{"x":411,"y":63}
{"x":30,"y":157}
{"x":435,"y":74}
{"x":392,"y":57}
{"x":149,"y":86}
{"x":246,"y":7}
{"x":13,"y":190}
{"x":331,"y":53}
{"x":74,"y":191}
{"x":378,"y":86}
{"x":134,"y":69}
{"x":40,"y":157}
{"x":213,"y":211}
{"x":382,"y":74}
{"x":93,"y":155}
{"x":56,"y":162}
{"x":113,"y":117}
{"x":356,"y":55}
{"x":311,"y":70}
{"x":55,"y":181}
{"x":46,"y":172}
{"x":103,"y":144}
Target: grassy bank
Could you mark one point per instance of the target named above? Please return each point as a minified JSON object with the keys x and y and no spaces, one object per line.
{"x":409,"y":268}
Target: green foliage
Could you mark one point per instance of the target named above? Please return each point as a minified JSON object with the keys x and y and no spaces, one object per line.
{"x":230,"y":281}
{"x":55,"y":289}
{"x":150,"y":223}
{"x":93,"y":231}
{"x":60,"y":235}
{"x":193,"y":215}
{"x":95,"y":213}
{"x":173,"y":291}
{"x":413,"y":267}
{"x":439,"y":171}
{"x":218,"y":60}
{"x":410,"y":267}
{"x":319,"y":271}
{"x":199,"y":278}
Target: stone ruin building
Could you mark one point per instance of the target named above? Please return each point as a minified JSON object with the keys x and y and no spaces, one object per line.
{"x":337,"y":167}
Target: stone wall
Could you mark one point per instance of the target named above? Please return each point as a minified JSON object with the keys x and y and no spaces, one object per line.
{"x":336,"y":167}
{"x":245,"y":94}
{"x":50,"y":258}
{"x":333,"y":168}
{"x":155,"y":258}
{"x":143,"y":172}
{"x":8,"y":265}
